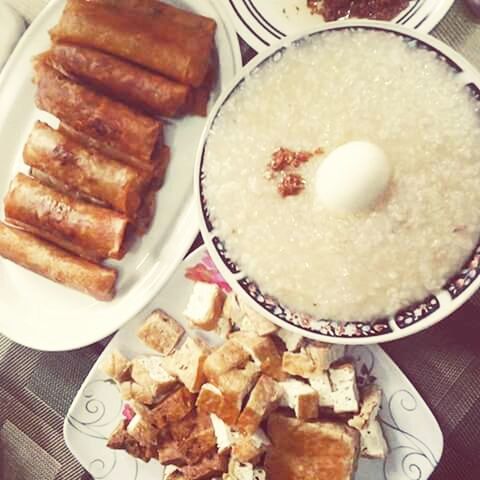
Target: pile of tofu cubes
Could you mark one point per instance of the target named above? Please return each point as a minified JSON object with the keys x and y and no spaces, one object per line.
{"x":200,"y":411}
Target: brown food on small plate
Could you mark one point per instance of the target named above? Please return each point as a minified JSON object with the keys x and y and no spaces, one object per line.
{"x":332,"y":10}
{"x":246,"y":425}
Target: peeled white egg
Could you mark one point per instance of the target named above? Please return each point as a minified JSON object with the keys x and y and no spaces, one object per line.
{"x":352,"y":177}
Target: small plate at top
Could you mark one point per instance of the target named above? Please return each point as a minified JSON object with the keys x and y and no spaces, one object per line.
{"x":413,"y":434}
{"x":262,"y":23}
{"x":43,"y":315}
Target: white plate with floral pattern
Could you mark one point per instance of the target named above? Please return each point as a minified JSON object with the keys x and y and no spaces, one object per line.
{"x":413,"y":434}
{"x":262,"y":23}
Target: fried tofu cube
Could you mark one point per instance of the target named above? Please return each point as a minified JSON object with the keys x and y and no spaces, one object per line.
{"x":263,"y":351}
{"x":200,"y":439}
{"x":149,"y":371}
{"x":244,"y":471}
{"x":161,"y":332}
{"x":263,"y":399}
{"x":372,"y":441}
{"x":118,"y":437}
{"x":232,"y":309}
{"x":172,"y":472}
{"x":205,"y":305}
{"x":212,"y":465}
{"x":255,"y":323}
{"x":187,"y":363}
{"x":169,"y":453}
{"x":301,"y":397}
{"x":313,"y":359}
{"x":345,"y":391}
{"x":174,"y":408}
{"x":310,"y":450}
{"x":371,"y":400}
{"x":146,"y":394}
{"x":223,"y":433}
{"x":228,"y":356}
{"x":237,"y":384}
{"x":323,"y":355}
{"x":323,"y":387}
{"x":212,"y":400}
{"x":142,"y":431}
{"x":298,"y":364}
{"x":116,"y":366}
{"x":145,"y":453}
{"x":292,"y":340}
{"x":250,"y":448}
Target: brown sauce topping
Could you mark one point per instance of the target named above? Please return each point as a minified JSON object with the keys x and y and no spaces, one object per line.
{"x":284,"y":162}
{"x":373,"y":9}
{"x":291,"y":184}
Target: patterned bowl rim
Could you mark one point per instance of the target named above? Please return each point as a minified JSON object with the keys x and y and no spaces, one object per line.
{"x":414,"y":318}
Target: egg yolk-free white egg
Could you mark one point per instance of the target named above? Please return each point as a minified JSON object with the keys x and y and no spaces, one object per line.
{"x":352,"y":177}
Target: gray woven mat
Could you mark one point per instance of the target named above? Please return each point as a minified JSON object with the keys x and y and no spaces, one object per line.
{"x":37,"y":388}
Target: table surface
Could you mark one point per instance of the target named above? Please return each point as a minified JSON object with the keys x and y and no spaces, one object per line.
{"x":36,"y":388}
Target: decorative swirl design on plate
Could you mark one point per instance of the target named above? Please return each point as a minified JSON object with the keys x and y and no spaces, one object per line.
{"x":410,"y":454}
{"x":415,"y":456}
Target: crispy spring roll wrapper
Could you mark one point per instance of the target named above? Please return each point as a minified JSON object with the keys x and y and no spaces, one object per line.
{"x":153,"y":173}
{"x":165,"y":43}
{"x":56,"y":264}
{"x":201,"y":95}
{"x":157,"y":8}
{"x":146,"y":170}
{"x":119,"y":78}
{"x":63,"y":187}
{"x":85,"y":170}
{"x":97,"y":116}
{"x":88,"y":230}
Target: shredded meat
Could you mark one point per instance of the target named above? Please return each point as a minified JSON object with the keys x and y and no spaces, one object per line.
{"x":374,"y":9}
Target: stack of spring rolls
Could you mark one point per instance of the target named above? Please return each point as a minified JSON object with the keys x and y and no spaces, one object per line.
{"x":114,"y":70}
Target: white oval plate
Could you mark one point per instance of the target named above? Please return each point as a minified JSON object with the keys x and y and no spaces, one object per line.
{"x":413,"y":434}
{"x":262,"y":23}
{"x":40,"y":314}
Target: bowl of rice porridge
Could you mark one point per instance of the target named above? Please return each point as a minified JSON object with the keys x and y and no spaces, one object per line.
{"x":337,"y":182}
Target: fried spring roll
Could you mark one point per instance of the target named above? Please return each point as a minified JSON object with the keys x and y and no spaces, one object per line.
{"x":153,"y":175}
{"x":56,"y":184}
{"x":97,"y":116}
{"x":163,"y":42}
{"x":88,"y":230}
{"x":115,"y":77}
{"x":56,"y":264}
{"x":85,"y":170}
{"x":201,"y":95}
{"x":158,"y":8}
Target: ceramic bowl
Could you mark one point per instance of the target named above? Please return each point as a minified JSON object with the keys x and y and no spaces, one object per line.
{"x":406,"y":322}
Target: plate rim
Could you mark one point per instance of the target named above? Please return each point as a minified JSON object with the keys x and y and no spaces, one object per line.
{"x":187,"y":218}
{"x":259,"y":37}
{"x":446,"y":307}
